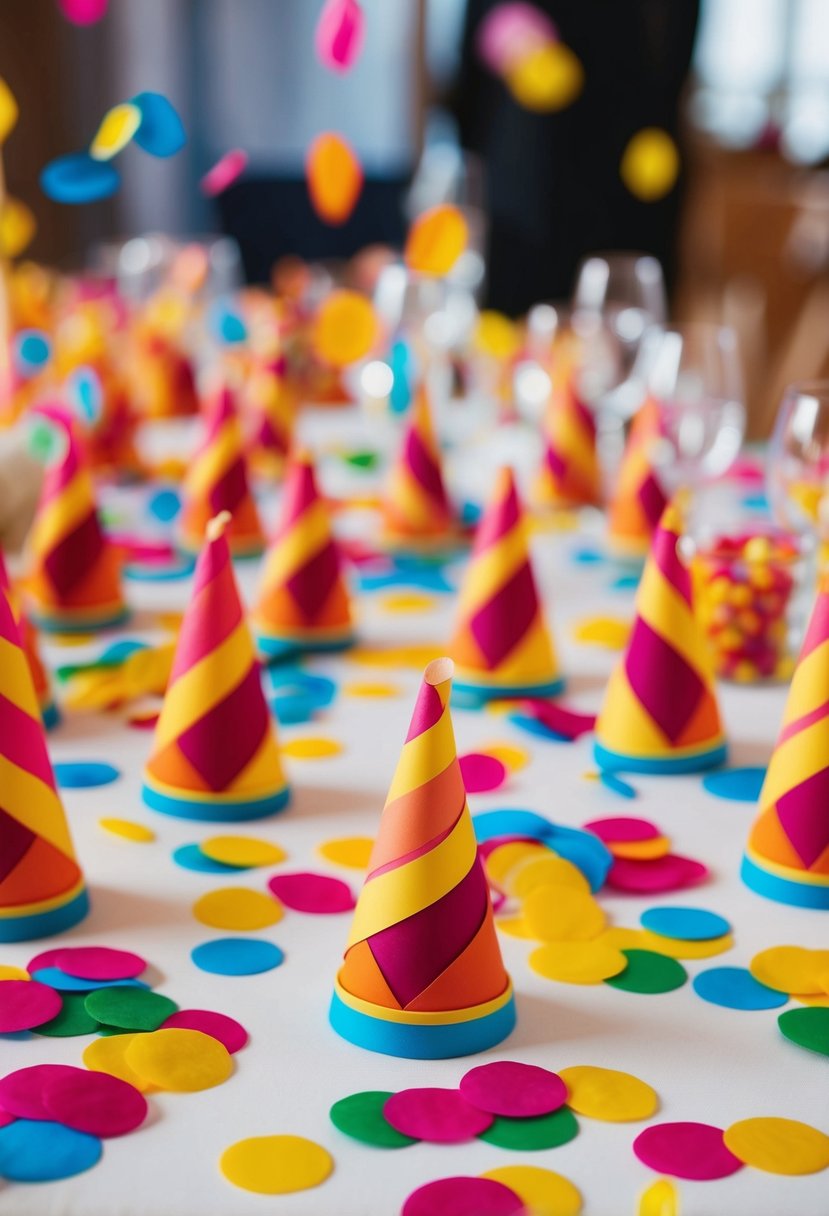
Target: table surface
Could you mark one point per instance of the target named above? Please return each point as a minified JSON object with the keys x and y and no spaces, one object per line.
{"x":706,"y":1063}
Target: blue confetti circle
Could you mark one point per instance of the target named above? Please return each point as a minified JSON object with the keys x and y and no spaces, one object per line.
{"x":161,"y":132}
{"x":735,"y":784}
{"x":190,"y":857}
{"x":685,"y":924}
{"x":35,"y":1151}
{"x":736,"y":988}
{"x":78,"y":178}
{"x":237,"y":956}
{"x":164,"y":505}
{"x":84,"y":774}
{"x":53,"y":977}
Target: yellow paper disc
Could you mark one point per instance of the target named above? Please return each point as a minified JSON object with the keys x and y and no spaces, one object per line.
{"x":548,"y":78}
{"x":407,"y":601}
{"x":514,"y":926}
{"x":512,"y":757}
{"x":822,"y":1002}
{"x":311,"y":749}
{"x":8,"y":110}
{"x":562,"y":914}
{"x":436,"y":240}
{"x":128,"y":829}
{"x":276,"y":1165}
{"x":353,"y":851}
{"x":791,"y":969}
{"x":345,"y":328}
{"x":17,"y":227}
{"x":242,"y":851}
{"x":779,"y":1146}
{"x":496,"y":336}
{"x":108,"y":1054}
{"x":117,"y":128}
{"x":578,"y":962}
{"x":9,"y":972}
{"x":661,"y":1198}
{"x":547,"y":871}
{"x":237,"y":908}
{"x":182,"y":1061}
{"x":334,"y":177}
{"x":371,"y":689}
{"x":622,"y":938}
{"x":609,"y":631}
{"x":506,"y":857}
{"x":650,"y":164}
{"x":604,"y":1093}
{"x":542,"y":1192}
{"x":674,"y":947}
{"x":641,"y":850}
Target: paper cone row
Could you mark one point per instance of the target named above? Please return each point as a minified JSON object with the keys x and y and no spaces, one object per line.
{"x":303,"y":603}
{"x":28,"y":640}
{"x":417,"y":513}
{"x":570,"y":475}
{"x":423,"y":975}
{"x":639,"y":498}
{"x":787,"y":856}
{"x":273,"y":410}
{"x":42,"y":889}
{"x":502,"y":646}
{"x":215,"y":753}
{"x":217,"y":480}
{"x":74,"y":583}
{"x":660,"y":712}
{"x":165,"y":386}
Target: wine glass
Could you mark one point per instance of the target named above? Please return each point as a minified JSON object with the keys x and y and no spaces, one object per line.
{"x":797,"y":473}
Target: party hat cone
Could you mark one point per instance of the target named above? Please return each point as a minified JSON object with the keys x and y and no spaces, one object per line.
{"x":273,"y":408}
{"x":215,"y":754}
{"x":417,"y":513}
{"x":42,"y":890}
{"x":639,"y":498}
{"x":217,"y":480}
{"x":304,"y":602}
{"x":75,"y":581}
{"x":570,"y":475}
{"x":28,"y":640}
{"x":502,"y":646}
{"x":787,"y":856}
{"x":660,"y":712}
{"x":423,"y":975}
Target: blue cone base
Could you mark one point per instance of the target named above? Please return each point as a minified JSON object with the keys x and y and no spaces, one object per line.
{"x":784,"y":890}
{"x":422,"y":1042}
{"x":615,"y":762}
{"x":212,"y":811}
{"x":475,"y":696}
{"x":275,"y":649}
{"x":77,"y":623}
{"x":50,"y":715}
{"x":44,"y":924}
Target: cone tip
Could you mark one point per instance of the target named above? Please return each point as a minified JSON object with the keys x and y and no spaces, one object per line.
{"x":439,"y":671}
{"x":216,"y":526}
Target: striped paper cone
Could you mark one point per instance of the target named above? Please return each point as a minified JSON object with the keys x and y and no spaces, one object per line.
{"x":31,"y":648}
{"x":417,"y":513}
{"x":273,"y":409}
{"x":423,"y":975}
{"x":787,"y":855}
{"x":570,"y":475}
{"x":638,"y":500}
{"x":215,"y":753}
{"x":660,"y":712}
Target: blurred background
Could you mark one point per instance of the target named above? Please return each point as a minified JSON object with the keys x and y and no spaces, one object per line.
{"x":742,"y":86}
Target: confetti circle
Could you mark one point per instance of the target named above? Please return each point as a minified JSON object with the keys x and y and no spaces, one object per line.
{"x":237,"y":908}
{"x":129,"y":1008}
{"x":190,"y":857}
{"x":21,"y":1092}
{"x":43,"y":1151}
{"x":361,"y":1117}
{"x":512,"y":1089}
{"x":316,"y":893}
{"x":436,"y":240}
{"x":695,"y":1151}
{"x":161,"y":132}
{"x":59,"y":980}
{"x":26,"y":1003}
{"x":668,"y":873}
{"x":116,"y":130}
{"x":558,"y":914}
{"x":675,"y":947}
{"x":441,"y":1116}
{"x":311,"y":749}
{"x":334,"y":177}
{"x":72,"y":1020}
{"x":352,"y":851}
{"x":95,"y":1103}
{"x":688,"y":924}
{"x":276,"y":1165}
{"x":230,"y":1033}
{"x":128,"y":829}
{"x":650,"y":164}
{"x":514,"y":758}
{"x":237,"y":956}
{"x":736,"y":988}
{"x":224,"y":173}
{"x":807,"y":1028}
{"x":8,"y":972}
{"x":179,"y":1060}
{"x":542,"y":1192}
{"x":84,"y":774}
{"x":778,"y":1146}
{"x":578,"y":962}
{"x":463,"y":1196}
{"x":622,"y":829}
{"x":482,"y":773}
{"x":604,"y":1093}
{"x":791,"y":969}
{"x":544,"y":871}
{"x":108,"y":1055}
{"x":735,"y":784}
{"x":533,"y":1135}
{"x":649,"y":972}
{"x":242,"y":851}
{"x":345,"y":328}
{"x":99,"y":963}
{"x":77,"y":178}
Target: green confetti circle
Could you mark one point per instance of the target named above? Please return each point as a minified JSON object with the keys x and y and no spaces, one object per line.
{"x":649,"y":972}
{"x":807,"y":1028}
{"x":526,"y":1135}
{"x":129,"y":1008}
{"x":74,"y":1018}
{"x":361,"y":1117}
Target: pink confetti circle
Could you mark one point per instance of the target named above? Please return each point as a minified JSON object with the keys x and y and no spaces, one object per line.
{"x":306,"y":892}
{"x":25,"y":1004}
{"x":668,"y":873}
{"x":482,"y":773}
{"x":83,"y":12}
{"x":224,"y":173}
{"x":5,"y":1118}
{"x":686,"y":1150}
{"x":339,"y":34}
{"x":92,"y":962}
{"x":441,"y":1116}
{"x":560,"y":719}
{"x":94,"y":1102}
{"x":518,"y":1091}
{"x":21,"y":1092}
{"x":623,"y":829}
{"x":218,"y":1025}
{"x":463,"y":1197}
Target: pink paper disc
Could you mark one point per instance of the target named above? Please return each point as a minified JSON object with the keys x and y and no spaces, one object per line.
{"x":482,"y":773}
{"x":686,"y":1150}
{"x":512,"y":1089}
{"x":21,"y":1092}
{"x":94,"y":1102}
{"x":224,"y":172}
{"x":442,"y":1116}
{"x":623,"y":829}
{"x":97,"y":963}
{"x":668,"y":873}
{"x":25,"y":1004}
{"x":218,"y":1025}
{"x":463,"y":1197}
{"x":306,"y":892}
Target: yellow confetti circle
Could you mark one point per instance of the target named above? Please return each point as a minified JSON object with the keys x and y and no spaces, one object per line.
{"x":661,"y":1198}
{"x":778,"y":1146}
{"x":542,"y":1192}
{"x":242,"y":851}
{"x":506,"y":857}
{"x":9,"y":972}
{"x":674,"y":947}
{"x":276,"y":1165}
{"x":622,"y":938}
{"x":353,"y":851}
{"x":17,"y":227}
{"x":395,"y":656}
{"x":496,"y":336}
{"x":514,"y":926}
{"x":604,"y":1093}
{"x":548,"y":78}
{"x":650,"y":164}
{"x":108,"y":1054}
{"x":178,"y":1060}
{"x":369,"y":689}
{"x":562,"y":913}
{"x":611,"y":632}
{"x":128,"y":829}
{"x":116,"y":130}
{"x":641,"y":850}
{"x":345,"y":328}
{"x":545,"y":872}
{"x":512,"y":757}
{"x":791,"y":969}
{"x":436,"y":240}
{"x":237,"y":908}
{"x":8,"y":110}
{"x":407,"y":601}
{"x":578,"y":962}
{"x":311,"y":749}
